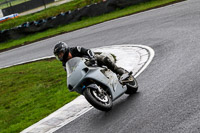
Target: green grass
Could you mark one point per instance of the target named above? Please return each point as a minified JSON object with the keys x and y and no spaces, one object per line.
{"x":30,"y":92}
{"x":84,"y":23}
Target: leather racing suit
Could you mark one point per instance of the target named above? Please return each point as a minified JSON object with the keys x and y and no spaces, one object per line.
{"x":101,"y":60}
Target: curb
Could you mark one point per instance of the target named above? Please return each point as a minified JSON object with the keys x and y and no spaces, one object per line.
{"x":141,"y":56}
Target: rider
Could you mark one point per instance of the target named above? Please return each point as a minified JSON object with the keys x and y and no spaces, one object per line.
{"x":63,"y":53}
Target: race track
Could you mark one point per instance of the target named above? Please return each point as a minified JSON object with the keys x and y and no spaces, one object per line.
{"x":169,"y":96}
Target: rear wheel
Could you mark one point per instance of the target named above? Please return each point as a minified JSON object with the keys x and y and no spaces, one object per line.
{"x":132,"y":86}
{"x":100,"y":100}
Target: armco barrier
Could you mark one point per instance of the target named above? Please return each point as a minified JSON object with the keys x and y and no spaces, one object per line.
{"x":66,"y":18}
{"x":1,"y":14}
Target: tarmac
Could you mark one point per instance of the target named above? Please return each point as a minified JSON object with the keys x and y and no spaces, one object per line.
{"x":134,"y":58}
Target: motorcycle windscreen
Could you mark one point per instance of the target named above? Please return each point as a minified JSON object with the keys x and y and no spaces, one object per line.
{"x":72,"y":64}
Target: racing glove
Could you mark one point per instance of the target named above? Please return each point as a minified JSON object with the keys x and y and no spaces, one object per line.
{"x":93,"y":60}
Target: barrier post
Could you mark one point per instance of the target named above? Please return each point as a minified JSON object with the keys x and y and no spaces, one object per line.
{"x":1,"y":14}
{"x":44,"y":3}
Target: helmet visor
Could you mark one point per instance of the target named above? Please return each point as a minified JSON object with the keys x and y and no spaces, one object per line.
{"x":59,"y":56}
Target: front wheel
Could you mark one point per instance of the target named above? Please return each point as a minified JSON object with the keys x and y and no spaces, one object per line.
{"x":100,"y":100}
{"x":132,"y":86}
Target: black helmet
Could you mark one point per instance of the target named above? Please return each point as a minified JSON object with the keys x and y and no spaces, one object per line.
{"x":61,"y":51}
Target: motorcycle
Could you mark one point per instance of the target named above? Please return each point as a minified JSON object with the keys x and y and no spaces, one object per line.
{"x":99,"y":85}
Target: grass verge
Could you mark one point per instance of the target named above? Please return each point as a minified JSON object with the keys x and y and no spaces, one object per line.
{"x":30,"y":92}
{"x":85,"y":23}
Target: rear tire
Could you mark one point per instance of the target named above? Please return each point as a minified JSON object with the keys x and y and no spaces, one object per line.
{"x":102,"y":102}
{"x":132,"y":87}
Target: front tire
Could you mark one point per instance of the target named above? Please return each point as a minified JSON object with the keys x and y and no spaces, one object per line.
{"x":101,"y":101}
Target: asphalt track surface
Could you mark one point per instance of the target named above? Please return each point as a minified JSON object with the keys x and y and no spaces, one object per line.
{"x":169,"y":89}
